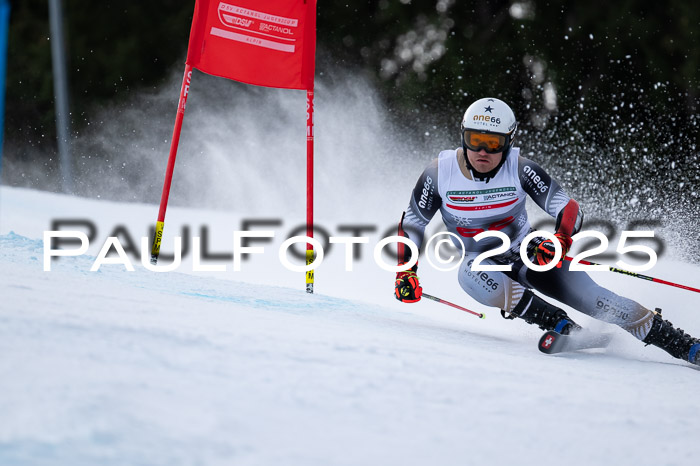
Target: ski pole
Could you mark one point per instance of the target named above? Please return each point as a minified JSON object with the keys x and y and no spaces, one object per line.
{"x":478,"y":314}
{"x":637,"y":275}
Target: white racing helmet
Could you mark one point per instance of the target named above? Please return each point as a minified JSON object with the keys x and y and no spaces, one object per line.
{"x":488,"y":124}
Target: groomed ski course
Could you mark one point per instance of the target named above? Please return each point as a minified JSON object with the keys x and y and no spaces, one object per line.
{"x":139,"y":368}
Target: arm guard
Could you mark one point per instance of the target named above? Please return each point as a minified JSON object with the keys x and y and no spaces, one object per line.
{"x":425,"y":202}
{"x":570,"y":219}
{"x":550,"y":197}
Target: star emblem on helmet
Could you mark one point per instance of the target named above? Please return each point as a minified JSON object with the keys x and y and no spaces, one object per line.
{"x":488,"y":109}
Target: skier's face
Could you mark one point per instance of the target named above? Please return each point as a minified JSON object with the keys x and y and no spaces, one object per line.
{"x":482,"y":161}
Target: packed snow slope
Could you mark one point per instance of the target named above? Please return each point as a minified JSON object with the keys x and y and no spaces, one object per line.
{"x":142,"y":368}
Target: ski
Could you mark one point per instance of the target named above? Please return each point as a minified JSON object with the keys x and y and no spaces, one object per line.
{"x":554,"y":342}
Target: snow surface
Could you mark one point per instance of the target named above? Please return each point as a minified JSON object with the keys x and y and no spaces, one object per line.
{"x":245,"y":368}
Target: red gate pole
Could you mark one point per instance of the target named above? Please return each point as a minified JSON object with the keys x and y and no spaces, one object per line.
{"x":309,"y":186}
{"x":184,"y":91}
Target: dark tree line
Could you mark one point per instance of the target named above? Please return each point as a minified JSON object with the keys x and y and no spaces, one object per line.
{"x":581,"y":68}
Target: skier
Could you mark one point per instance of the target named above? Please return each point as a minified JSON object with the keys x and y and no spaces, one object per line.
{"x":482,"y":186}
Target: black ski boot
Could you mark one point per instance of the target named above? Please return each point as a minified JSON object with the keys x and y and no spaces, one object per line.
{"x":535,"y":310}
{"x":673,"y":340}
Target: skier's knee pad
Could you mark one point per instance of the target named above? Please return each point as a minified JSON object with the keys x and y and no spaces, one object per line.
{"x":489,"y":288}
{"x":609,"y":307}
{"x":535,"y":310}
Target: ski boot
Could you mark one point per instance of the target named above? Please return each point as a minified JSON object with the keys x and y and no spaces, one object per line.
{"x":535,"y":310}
{"x":673,"y":340}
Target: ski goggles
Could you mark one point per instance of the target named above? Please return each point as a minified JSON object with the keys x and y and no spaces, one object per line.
{"x":491,"y":143}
